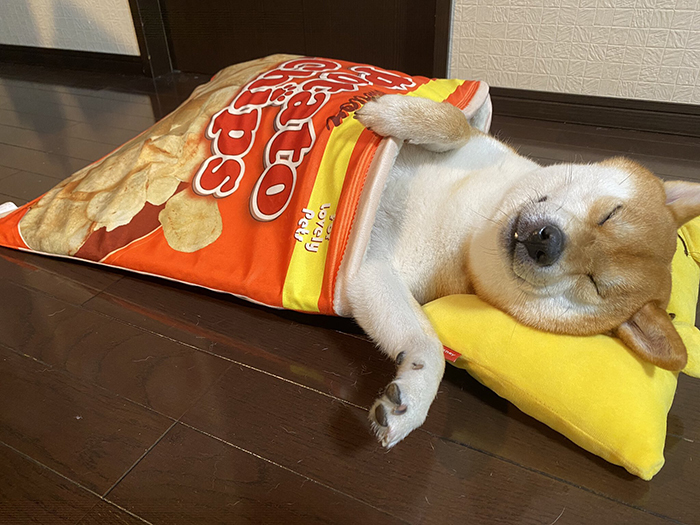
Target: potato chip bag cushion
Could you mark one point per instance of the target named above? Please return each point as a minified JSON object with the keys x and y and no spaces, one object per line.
{"x":261,"y":184}
{"x":593,"y":389}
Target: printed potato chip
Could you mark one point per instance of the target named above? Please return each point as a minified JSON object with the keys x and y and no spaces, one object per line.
{"x":56,"y":225}
{"x":190,"y":222}
{"x":160,"y":189}
{"x":114,"y":208}
{"x":110,"y":171}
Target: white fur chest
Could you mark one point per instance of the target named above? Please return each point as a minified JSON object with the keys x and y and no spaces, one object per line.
{"x":433,"y":203}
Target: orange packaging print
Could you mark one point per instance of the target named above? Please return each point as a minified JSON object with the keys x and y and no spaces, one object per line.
{"x":256,"y":197}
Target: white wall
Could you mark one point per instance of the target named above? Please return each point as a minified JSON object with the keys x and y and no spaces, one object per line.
{"x":85,"y":25}
{"x":644,"y":49}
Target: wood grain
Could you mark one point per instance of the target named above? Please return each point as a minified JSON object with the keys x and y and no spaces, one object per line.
{"x":156,"y":372}
{"x":104,"y":513}
{"x":30,"y":493}
{"x":26,"y":186}
{"x":465,"y":412}
{"x":192,"y":478}
{"x":424,"y":480}
{"x":81,"y":431}
{"x":54,"y":142}
{"x":313,"y":350}
{"x":70,"y":281}
{"x":49,"y":164}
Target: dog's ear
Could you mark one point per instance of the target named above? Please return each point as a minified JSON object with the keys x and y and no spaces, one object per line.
{"x":683,"y":198}
{"x":650,"y":334}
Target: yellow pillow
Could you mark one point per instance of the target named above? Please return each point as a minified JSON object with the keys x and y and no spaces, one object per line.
{"x":591,"y":389}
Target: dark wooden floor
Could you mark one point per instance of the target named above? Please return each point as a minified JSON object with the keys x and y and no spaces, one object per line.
{"x":130,"y":400}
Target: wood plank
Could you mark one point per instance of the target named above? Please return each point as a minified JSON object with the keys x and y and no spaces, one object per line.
{"x":54,"y":76}
{"x":669,"y":168}
{"x":4,"y":171}
{"x":9,"y":198}
{"x":151,"y":320}
{"x":26,"y":186}
{"x":553,"y":142}
{"x":48,"y":164}
{"x":424,"y":480}
{"x":58,"y":143}
{"x":70,"y":281}
{"x":34,"y":122}
{"x":81,"y":431}
{"x":105,"y":513}
{"x":19,"y":98}
{"x":465,"y":411}
{"x":48,"y":109}
{"x":31,"y":493}
{"x":104,"y":134}
{"x":102,"y":89}
{"x":192,"y":478}
{"x":501,"y":123}
{"x":641,"y":143}
{"x":302,"y":348}
{"x":209,"y":36}
{"x":163,"y":375}
{"x":304,"y":351}
{"x":148,"y":85}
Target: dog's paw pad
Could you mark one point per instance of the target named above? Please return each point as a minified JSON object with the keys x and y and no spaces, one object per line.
{"x":404,"y":403}
{"x":380,"y":416}
{"x":393,"y":393}
{"x":389,"y":417}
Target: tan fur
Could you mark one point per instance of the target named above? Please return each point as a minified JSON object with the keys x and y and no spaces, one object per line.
{"x":633,"y":249}
{"x":652,"y":335}
{"x":437,"y":127}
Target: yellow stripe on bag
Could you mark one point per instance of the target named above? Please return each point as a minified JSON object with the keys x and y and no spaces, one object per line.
{"x":437,"y":90}
{"x":302,"y":286}
{"x":304,"y":280}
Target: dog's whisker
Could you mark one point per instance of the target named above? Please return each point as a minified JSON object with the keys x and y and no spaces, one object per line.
{"x":497,"y":222}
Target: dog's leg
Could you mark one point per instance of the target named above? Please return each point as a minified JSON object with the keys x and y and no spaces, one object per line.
{"x":386,"y":310}
{"x":437,"y":126}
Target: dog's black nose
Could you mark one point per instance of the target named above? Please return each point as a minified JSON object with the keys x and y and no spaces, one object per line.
{"x":544,"y":245}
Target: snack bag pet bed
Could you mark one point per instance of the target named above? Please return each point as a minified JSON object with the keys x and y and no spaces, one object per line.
{"x":263,"y":185}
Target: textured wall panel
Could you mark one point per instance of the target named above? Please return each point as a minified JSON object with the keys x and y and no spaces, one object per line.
{"x":85,"y":25}
{"x":645,"y":49}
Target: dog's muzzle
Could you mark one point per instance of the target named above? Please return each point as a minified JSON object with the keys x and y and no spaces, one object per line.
{"x":544,"y":244}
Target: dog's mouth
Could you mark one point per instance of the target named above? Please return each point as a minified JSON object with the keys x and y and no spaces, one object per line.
{"x":510,"y":239}
{"x":510,"y":242}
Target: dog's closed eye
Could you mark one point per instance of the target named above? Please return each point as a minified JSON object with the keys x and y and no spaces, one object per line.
{"x":597,"y":290}
{"x":610,"y":215}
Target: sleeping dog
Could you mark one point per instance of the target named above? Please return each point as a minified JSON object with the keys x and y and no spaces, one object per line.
{"x":577,"y":249}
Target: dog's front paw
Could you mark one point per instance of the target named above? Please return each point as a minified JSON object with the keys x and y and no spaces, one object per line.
{"x":383,"y":115}
{"x":404,"y":404}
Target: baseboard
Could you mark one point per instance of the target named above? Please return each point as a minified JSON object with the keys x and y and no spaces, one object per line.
{"x":69,"y":59}
{"x":659,"y":117}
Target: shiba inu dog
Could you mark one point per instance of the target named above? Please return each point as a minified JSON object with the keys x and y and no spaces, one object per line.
{"x":573,"y":248}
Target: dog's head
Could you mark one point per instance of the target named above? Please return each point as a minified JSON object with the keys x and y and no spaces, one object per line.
{"x":587,"y":249}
